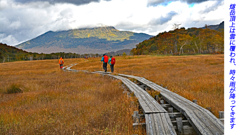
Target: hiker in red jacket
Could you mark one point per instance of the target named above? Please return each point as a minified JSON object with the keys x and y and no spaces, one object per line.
{"x":61,"y":61}
{"x":111,"y":62}
{"x":105,"y":61}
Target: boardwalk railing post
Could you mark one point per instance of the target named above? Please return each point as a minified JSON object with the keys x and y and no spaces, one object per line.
{"x":128,"y":94}
{"x":209,"y":109}
{"x":170,"y":110}
{"x":161,"y":101}
{"x":195,"y":101}
{"x":221,"y":114}
{"x":157,"y":98}
{"x":179,"y":124}
{"x":135,"y":117}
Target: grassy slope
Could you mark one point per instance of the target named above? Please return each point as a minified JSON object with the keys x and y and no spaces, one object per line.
{"x":198,"y":77}
{"x":57,"y":102}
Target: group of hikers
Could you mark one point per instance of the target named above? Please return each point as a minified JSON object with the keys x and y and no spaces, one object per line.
{"x":111,"y":61}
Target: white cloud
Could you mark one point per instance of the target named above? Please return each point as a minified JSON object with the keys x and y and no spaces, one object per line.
{"x":24,"y":21}
{"x":8,"y":39}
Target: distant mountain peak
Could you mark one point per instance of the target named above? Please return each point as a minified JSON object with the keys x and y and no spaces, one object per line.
{"x":84,"y":40}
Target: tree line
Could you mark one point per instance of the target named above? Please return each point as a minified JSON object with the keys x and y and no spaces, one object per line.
{"x":183,"y":41}
{"x":10,"y":54}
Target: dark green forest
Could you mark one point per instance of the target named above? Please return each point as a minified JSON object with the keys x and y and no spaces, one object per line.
{"x":10,"y":54}
{"x":183,"y":41}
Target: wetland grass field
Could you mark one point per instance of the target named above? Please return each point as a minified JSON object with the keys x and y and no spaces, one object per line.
{"x":36,"y":97}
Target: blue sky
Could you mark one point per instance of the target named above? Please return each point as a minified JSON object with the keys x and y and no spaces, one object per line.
{"x":191,"y":5}
{"x":22,"y":20}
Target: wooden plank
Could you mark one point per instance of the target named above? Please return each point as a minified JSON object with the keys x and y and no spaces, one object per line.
{"x":145,"y":106}
{"x":169,"y":129}
{"x":185,"y":122}
{"x":139,"y":93}
{"x":153,"y":125}
{"x":159,"y":124}
{"x":147,"y":124}
{"x":142,"y":99}
{"x":149,"y":127}
{"x":200,"y":127}
{"x":205,"y":119}
{"x":156,"y":107}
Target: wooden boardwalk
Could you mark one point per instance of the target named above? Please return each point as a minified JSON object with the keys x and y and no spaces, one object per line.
{"x":203,"y":121}
{"x":157,"y":119}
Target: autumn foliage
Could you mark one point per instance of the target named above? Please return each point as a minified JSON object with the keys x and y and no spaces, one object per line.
{"x":183,"y":41}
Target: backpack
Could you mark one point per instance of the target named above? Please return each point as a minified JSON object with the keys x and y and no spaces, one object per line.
{"x":105,"y":58}
{"x":113,"y":61}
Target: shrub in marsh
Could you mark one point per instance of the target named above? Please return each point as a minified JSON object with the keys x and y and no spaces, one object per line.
{"x":14,"y":88}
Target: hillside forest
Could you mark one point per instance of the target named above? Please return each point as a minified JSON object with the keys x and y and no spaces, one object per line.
{"x":10,"y":53}
{"x":183,"y":41}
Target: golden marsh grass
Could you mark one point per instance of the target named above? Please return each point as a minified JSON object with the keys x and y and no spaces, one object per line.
{"x":57,"y":102}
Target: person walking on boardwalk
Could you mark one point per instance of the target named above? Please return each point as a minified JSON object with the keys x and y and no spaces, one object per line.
{"x":105,"y":61}
{"x":111,"y":62}
{"x":61,"y":61}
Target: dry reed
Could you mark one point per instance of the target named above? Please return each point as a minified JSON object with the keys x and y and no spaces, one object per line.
{"x":57,"y":102}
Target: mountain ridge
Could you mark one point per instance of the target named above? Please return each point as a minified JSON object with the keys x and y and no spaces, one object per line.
{"x":84,"y":40}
